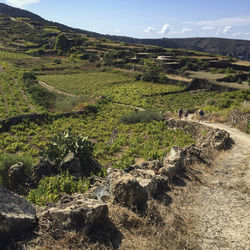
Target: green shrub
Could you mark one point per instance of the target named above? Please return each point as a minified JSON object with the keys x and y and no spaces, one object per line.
{"x":27,"y":76}
{"x":50,"y":188}
{"x":248,"y":128}
{"x":6,"y":161}
{"x":141,"y":116}
{"x":151,"y":71}
{"x":66,"y":142}
{"x":239,"y":81}
{"x":230,"y":71}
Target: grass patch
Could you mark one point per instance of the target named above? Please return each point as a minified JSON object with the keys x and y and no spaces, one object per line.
{"x":141,"y":116}
{"x":6,"y":161}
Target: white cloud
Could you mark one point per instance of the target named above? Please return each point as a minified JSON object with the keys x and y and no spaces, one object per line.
{"x":231,"y":21}
{"x":165,"y":29}
{"x":218,"y":32}
{"x":149,"y":29}
{"x":227,"y":29}
{"x":184,"y":30}
{"x":21,"y":3}
{"x":207,"y":27}
{"x":117,"y":30}
{"x":237,"y":34}
{"x":241,"y":34}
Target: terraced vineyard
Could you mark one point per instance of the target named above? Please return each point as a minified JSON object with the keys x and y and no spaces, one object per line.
{"x":12,"y":55}
{"x":132,"y":141}
{"x":15,"y":100}
{"x":114,"y":86}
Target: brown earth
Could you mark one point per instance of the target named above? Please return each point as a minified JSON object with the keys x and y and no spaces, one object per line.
{"x":220,"y":205}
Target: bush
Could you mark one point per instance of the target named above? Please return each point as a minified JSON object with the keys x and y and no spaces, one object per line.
{"x":230,"y":71}
{"x":50,"y":188}
{"x":248,"y":128}
{"x":151,"y":71}
{"x":141,"y":116}
{"x":66,"y":142}
{"x":6,"y":161}
{"x":27,"y":76}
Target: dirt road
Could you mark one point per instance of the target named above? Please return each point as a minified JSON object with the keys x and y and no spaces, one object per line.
{"x":221,"y":208}
{"x":52,"y":89}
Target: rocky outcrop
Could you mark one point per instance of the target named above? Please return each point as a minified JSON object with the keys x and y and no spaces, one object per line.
{"x":42,"y":169}
{"x":17,"y":216}
{"x":16,"y":176}
{"x":206,"y":138}
{"x":239,"y":119}
{"x":77,"y":168}
{"x":70,"y":163}
{"x":207,"y":85}
{"x":75,"y":212}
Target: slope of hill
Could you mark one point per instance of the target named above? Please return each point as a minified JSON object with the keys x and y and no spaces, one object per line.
{"x":230,"y":47}
{"x":16,"y":12}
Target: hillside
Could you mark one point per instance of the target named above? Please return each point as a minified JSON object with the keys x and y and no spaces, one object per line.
{"x":102,"y":145}
{"x":229,"y":47}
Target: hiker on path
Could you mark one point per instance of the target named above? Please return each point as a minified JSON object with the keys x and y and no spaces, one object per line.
{"x":186,"y":114}
{"x":201,"y":114}
{"x":180,"y":112}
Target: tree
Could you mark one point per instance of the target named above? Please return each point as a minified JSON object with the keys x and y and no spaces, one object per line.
{"x":62,"y":44}
{"x":151,"y":71}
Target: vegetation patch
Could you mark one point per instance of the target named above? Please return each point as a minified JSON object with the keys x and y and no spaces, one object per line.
{"x":141,"y":116}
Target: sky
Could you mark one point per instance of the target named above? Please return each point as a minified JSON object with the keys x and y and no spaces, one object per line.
{"x":148,"y":18}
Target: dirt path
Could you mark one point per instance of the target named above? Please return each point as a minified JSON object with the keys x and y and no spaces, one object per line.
{"x":60,"y":92}
{"x":221,"y":207}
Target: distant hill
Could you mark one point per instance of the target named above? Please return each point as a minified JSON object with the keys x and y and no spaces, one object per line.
{"x":16,"y":12}
{"x":229,"y":47}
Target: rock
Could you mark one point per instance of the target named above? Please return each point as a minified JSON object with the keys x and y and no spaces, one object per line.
{"x":17,"y":216}
{"x":76,"y":213}
{"x":173,"y":163}
{"x":16,"y":175}
{"x":43,"y":169}
{"x":126,"y":190}
{"x":70,"y":163}
{"x":154,"y":165}
{"x":102,"y":193}
{"x":149,"y":185}
{"x":221,"y":139}
{"x":170,"y":170}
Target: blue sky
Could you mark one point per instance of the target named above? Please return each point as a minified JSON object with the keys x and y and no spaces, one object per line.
{"x":148,"y":18}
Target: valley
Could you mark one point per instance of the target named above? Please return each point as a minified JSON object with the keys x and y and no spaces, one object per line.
{"x":91,"y":125}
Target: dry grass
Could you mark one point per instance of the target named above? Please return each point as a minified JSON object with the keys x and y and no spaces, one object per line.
{"x":163,"y":225}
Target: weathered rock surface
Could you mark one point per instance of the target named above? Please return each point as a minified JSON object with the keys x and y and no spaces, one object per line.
{"x":16,"y":175}
{"x":70,"y":163}
{"x":206,"y":137}
{"x":75,"y":212}
{"x":126,"y":190}
{"x":17,"y":215}
{"x":43,"y":169}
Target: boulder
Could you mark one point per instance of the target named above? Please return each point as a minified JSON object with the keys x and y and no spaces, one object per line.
{"x":126,"y":190}
{"x":102,"y":193}
{"x":70,"y":163}
{"x":76,"y":213}
{"x":221,"y":139}
{"x":17,"y":216}
{"x":16,"y":175}
{"x":173,"y":163}
{"x":42,"y":169}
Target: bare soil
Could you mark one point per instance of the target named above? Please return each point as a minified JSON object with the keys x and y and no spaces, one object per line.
{"x":220,"y":206}
{"x":52,"y":89}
